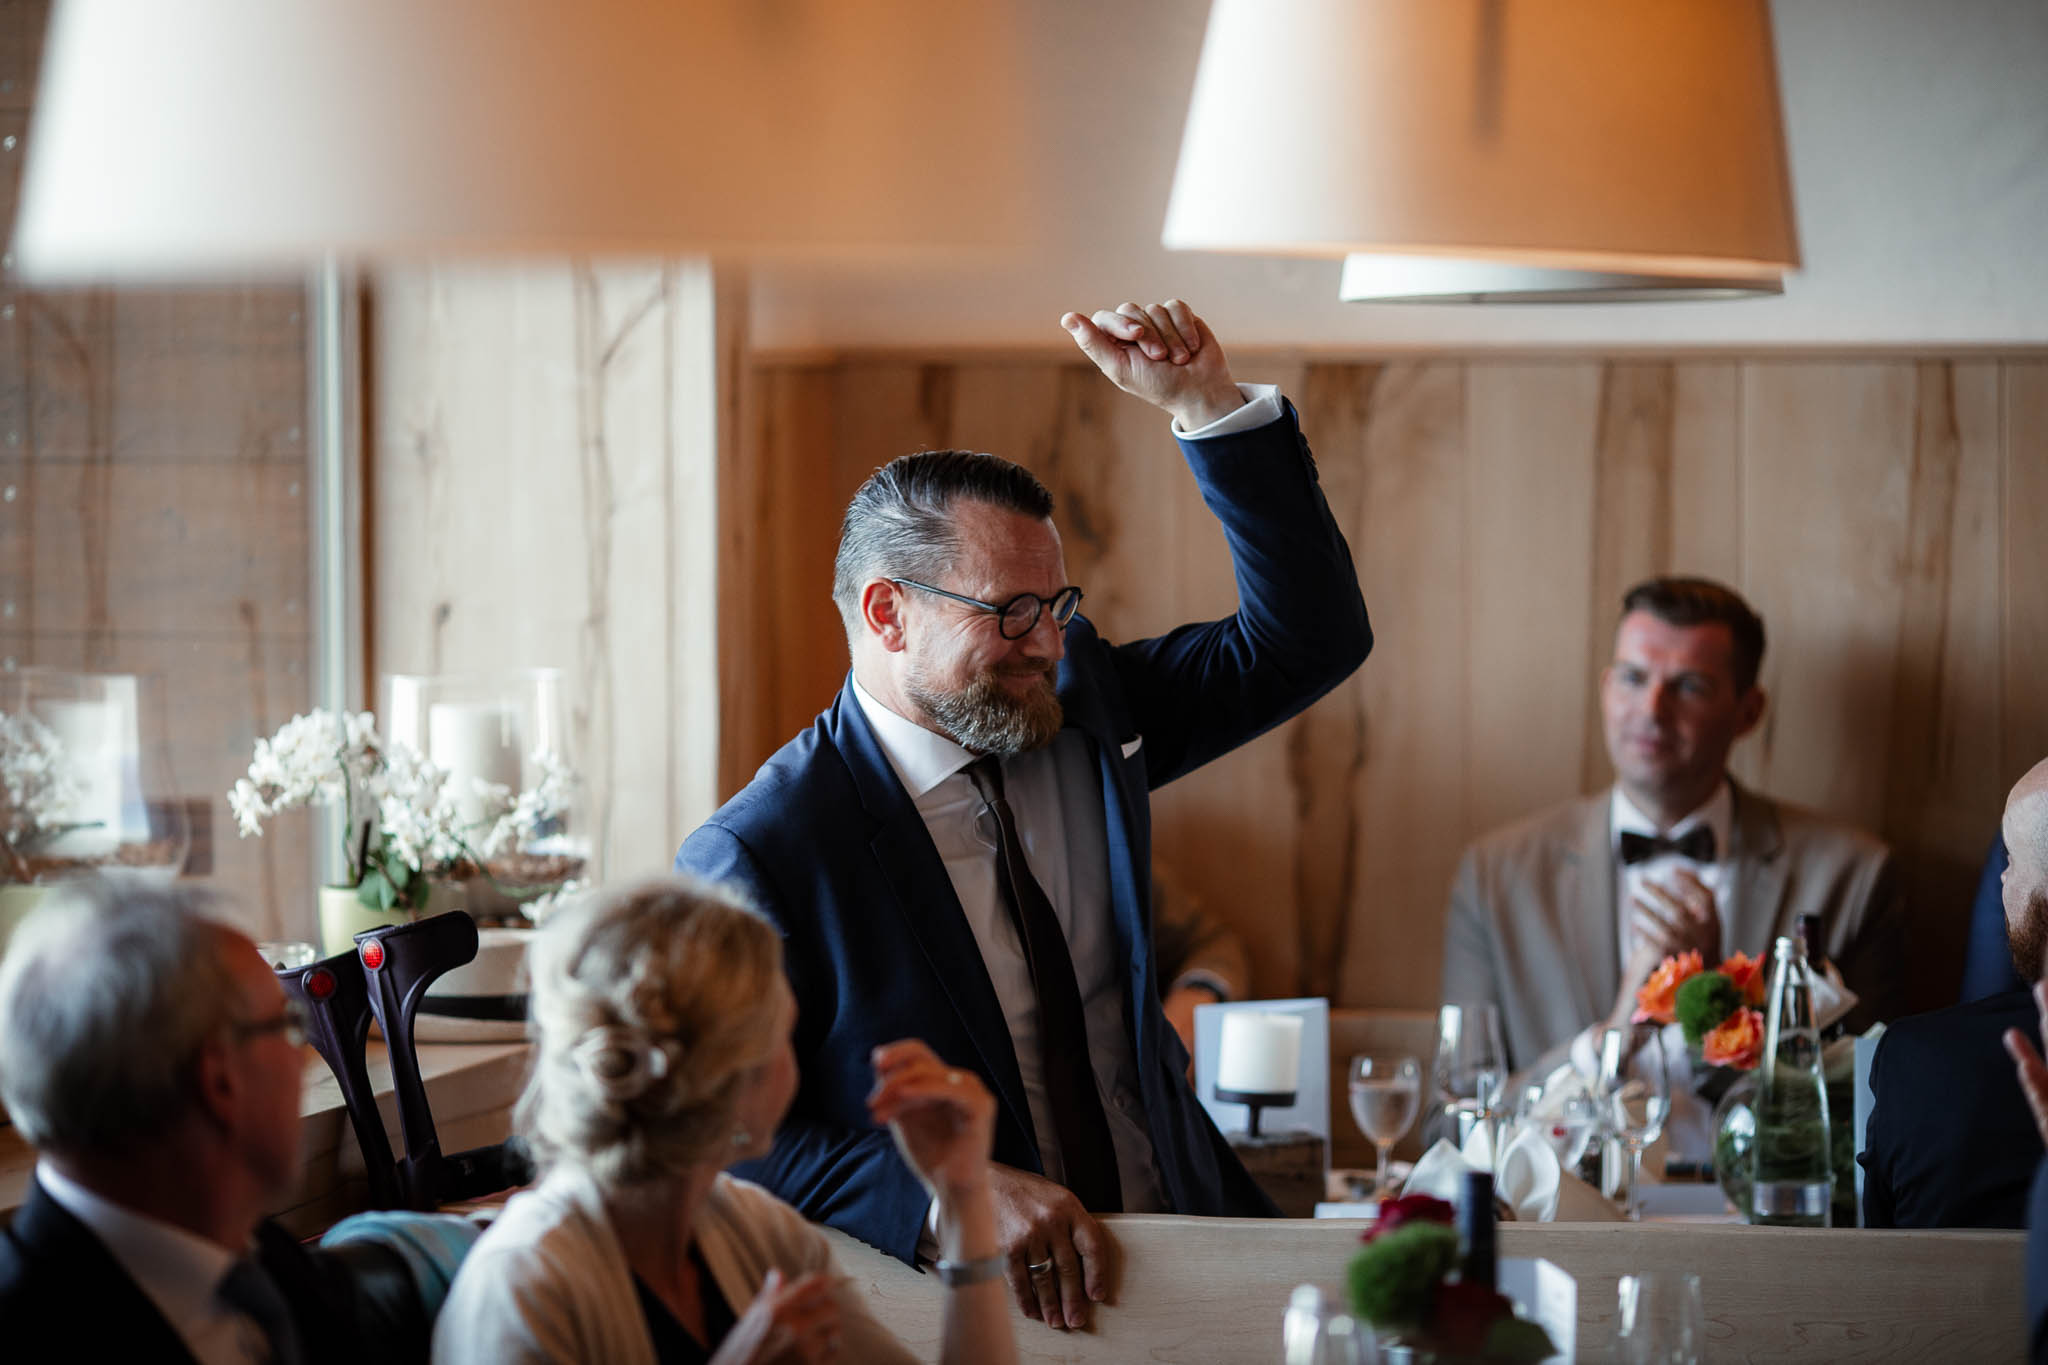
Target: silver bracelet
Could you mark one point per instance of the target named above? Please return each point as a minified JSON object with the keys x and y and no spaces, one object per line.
{"x":956,"y":1274}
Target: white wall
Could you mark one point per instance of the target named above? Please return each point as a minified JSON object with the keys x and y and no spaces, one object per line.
{"x":1919,"y":145}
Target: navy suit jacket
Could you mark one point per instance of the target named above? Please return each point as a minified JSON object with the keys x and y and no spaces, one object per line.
{"x":1951,"y":1142}
{"x":63,"y":1296}
{"x":831,"y":848}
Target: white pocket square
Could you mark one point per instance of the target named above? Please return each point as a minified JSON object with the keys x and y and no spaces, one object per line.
{"x":1133,"y":746}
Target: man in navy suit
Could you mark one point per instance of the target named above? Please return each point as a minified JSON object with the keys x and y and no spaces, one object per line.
{"x":150,"y":1055}
{"x":959,"y":849}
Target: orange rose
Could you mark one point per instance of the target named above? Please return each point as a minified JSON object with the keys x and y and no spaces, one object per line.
{"x":1747,"y":974}
{"x":1657,"y":1000}
{"x":1739,"y":1042}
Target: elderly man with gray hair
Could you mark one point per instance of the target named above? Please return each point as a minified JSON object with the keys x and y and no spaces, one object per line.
{"x":149,"y":1054}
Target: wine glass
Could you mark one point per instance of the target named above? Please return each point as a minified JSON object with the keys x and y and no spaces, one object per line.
{"x":1471,"y":1069}
{"x":1662,"y":1321}
{"x":1386,"y":1093}
{"x":1637,"y":1103}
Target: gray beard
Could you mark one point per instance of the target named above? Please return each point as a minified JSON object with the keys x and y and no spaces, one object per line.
{"x":983,"y":717}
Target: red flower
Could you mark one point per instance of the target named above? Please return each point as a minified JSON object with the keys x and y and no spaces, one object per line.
{"x":1461,"y":1316}
{"x":1657,"y":998}
{"x":1747,"y":975}
{"x":1739,"y":1042}
{"x":1410,"y":1208}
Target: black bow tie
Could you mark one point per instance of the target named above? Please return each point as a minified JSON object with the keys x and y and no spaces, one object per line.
{"x":1696,"y":844}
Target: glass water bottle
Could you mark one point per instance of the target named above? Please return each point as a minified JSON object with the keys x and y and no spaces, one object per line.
{"x":1792,"y":1184}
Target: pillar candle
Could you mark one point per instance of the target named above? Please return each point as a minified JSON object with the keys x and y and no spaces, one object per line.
{"x":471,"y":740}
{"x":1260,"y":1053}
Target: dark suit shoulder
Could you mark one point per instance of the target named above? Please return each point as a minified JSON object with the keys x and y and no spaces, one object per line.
{"x":1939,"y":1034}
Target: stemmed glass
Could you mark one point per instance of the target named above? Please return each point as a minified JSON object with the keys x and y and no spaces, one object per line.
{"x":1637,"y":1102}
{"x":1471,"y":1069}
{"x":1662,"y":1321}
{"x":1386,"y":1093}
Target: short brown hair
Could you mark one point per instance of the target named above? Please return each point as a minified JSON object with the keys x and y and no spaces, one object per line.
{"x":1701,"y":602}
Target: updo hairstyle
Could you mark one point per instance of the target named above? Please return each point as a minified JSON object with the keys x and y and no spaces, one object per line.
{"x":653,"y":1005}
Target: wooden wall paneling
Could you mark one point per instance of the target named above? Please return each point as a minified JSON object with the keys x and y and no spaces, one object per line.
{"x":2024,"y":512}
{"x":535,"y":445}
{"x":1943,"y":798}
{"x":121,"y":545}
{"x":776,"y":574}
{"x":1379,"y":778}
{"x":1666,"y":491}
{"x":1827,"y":457}
{"x":21,"y":49}
{"x":1529,"y":487}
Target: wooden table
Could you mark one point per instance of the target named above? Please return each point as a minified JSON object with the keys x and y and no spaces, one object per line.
{"x":1201,"y":1290}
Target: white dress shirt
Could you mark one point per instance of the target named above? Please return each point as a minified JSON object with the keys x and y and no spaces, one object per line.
{"x":1687,"y":1126}
{"x":179,"y":1271}
{"x":1055,"y":793}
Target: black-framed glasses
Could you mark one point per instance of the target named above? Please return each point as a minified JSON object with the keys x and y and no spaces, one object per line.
{"x":291,"y":1023}
{"x":1017,"y":617}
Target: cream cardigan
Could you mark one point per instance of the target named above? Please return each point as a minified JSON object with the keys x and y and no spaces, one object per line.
{"x":549,"y":1281}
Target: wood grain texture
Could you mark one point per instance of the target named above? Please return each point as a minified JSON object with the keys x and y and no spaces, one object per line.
{"x":152,"y":512}
{"x":1196,"y":1290}
{"x":543,"y":495}
{"x":1877,"y":511}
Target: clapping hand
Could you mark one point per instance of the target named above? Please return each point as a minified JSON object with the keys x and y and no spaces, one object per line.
{"x":1163,"y":354}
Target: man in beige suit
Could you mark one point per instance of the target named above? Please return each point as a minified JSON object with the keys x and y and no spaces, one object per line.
{"x":1560,"y":917}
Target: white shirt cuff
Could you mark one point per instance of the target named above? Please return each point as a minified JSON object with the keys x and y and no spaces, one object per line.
{"x":1261,"y":405}
{"x":928,"y":1240}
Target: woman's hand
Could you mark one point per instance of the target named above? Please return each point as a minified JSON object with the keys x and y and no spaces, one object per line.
{"x":942,"y":1117}
{"x":786,"y":1324}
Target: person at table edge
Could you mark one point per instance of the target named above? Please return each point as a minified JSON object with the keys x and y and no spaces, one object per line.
{"x":1560,"y":917}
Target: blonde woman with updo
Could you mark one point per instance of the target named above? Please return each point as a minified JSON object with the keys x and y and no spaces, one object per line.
{"x":663,"y":1056}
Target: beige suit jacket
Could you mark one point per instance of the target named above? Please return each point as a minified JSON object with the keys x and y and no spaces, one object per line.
{"x":1533,"y":926}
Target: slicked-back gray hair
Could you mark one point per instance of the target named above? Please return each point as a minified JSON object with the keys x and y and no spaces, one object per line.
{"x":107,"y":993}
{"x":899,"y":524}
{"x":674,"y":965}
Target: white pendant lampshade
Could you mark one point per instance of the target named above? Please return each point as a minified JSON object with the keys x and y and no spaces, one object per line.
{"x":1480,"y":150}
{"x":250,"y":137}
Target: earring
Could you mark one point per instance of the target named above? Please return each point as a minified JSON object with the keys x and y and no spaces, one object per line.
{"x":741,"y":1137}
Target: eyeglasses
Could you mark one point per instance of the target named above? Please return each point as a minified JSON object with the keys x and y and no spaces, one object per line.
{"x":291,"y":1023}
{"x":1017,"y":617}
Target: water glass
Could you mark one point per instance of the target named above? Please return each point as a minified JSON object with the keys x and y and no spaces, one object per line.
{"x":1662,"y":1321}
{"x":1386,"y":1093}
{"x":1471,"y":1067}
{"x":1638,"y":1095}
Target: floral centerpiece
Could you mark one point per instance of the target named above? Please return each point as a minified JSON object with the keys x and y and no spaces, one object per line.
{"x":1718,"y":1011}
{"x":406,"y":825}
{"x":1404,"y":1282}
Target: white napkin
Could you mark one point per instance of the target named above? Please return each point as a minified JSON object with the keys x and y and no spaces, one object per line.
{"x":1528,"y":1178}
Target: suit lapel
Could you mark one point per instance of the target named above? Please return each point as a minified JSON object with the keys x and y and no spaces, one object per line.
{"x":1759,"y":882}
{"x":123,"y":1321}
{"x":909,"y":865}
{"x":1586,"y":908}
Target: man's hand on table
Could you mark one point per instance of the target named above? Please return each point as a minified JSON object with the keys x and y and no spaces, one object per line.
{"x":1163,"y":354}
{"x":1038,"y":1221}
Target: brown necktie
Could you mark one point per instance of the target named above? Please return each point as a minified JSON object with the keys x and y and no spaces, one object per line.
{"x":1085,"y":1145}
